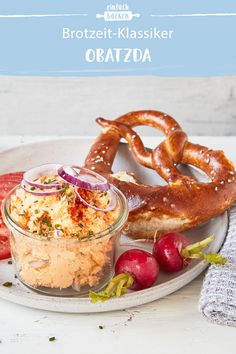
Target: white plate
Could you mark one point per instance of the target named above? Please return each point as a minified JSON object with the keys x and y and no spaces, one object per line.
{"x":73,"y":151}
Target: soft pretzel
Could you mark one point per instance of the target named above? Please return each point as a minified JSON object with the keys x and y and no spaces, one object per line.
{"x":181,"y":204}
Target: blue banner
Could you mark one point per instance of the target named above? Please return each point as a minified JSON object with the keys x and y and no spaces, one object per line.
{"x":89,"y":38}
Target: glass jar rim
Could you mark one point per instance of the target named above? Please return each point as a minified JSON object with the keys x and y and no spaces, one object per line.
{"x":120,"y":221}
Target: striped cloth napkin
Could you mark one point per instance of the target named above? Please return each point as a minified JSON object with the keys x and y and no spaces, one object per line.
{"x":217,"y":302}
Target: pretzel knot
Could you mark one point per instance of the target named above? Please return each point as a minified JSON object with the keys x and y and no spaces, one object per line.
{"x":184,"y":202}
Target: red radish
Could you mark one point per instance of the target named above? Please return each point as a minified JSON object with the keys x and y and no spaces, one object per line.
{"x":167,"y":251}
{"x":135,"y":269}
{"x":141,"y":265}
{"x":173,"y":252}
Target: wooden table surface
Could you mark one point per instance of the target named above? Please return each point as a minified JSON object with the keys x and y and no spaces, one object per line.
{"x":171,"y":325}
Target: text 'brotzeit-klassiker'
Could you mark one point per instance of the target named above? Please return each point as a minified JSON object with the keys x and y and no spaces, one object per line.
{"x":123,"y":52}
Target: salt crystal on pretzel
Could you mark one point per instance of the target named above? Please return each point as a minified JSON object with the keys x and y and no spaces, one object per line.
{"x":184,"y":202}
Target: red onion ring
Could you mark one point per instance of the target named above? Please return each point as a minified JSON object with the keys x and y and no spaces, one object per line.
{"x":28,"y":188}
{"x":39,"y":171}
{"x":87,"y":179}
{"x":111,"y":205}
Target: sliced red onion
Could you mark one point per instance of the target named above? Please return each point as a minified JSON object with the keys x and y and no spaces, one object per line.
{"x":43,"y":170}
{"x":111,"y":205}
{"x":33,"y":190}
{"x":83,"y":178}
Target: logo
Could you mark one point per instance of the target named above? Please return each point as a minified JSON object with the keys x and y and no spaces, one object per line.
{"x":117,"y":12}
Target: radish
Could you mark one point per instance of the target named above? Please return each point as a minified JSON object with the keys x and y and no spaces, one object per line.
{"x":173,"y":252}
{"x":135,"y":269}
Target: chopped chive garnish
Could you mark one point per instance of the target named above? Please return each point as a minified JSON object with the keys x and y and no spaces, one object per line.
{"x":36,"y":211}
{"x":46,"y":221}
{"x":48,"y":181}
{"x":64,"y":189}
{"x":9,"y":262}
{"x":7,"y":284}
{"x":100,"y":327}
{"x":52,"y":339}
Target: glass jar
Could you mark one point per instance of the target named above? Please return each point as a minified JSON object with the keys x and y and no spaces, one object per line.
{"x":64,"y":266}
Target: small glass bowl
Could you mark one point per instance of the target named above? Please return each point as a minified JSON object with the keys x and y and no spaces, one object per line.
{"x":64,"y":267}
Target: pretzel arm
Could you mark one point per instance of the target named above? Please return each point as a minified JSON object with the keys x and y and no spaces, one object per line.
{"x":140,"y":153}
{"x":165,"y":160}
{"x":214,"y":163}
{"x":155,"y":119}
{"x":164,"y":165}
{"x":103,"y":151}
